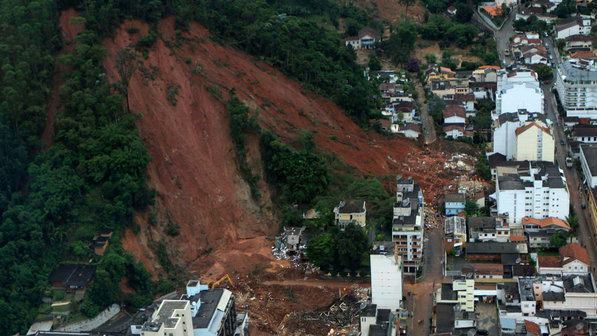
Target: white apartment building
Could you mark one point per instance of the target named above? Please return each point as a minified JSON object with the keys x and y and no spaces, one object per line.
{"x":576,"y":83}
{"x":407,"y":223}
{"x":513,"y":138}
{"x":518,"y":90}
{"x":539,"y":191}
{"x":201,"y":311}
{"x":173,"y":318}
{"x":386,"y":281}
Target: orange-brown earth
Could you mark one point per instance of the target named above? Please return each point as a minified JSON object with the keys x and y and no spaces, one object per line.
{"x":393,"y":11}
{"x":193,"y":168}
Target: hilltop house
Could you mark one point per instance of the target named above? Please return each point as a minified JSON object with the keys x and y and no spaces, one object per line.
{"x":351,"y":212}
{"x":366,"y":39}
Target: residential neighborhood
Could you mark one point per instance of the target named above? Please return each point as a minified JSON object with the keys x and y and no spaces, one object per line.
{"x":339,"y":168}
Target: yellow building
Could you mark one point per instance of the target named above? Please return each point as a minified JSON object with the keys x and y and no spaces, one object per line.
{"x":592,"y":221}
{"x":534,"y":142}
{"x":351,"y":212}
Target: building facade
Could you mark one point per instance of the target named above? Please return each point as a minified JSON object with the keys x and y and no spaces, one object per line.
{"x":386,"y":281}
{"x":408,"y":223}
{"x":539,"y":191}
{"x":576,"y":84}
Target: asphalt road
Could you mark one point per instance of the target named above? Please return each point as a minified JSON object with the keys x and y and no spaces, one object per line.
{"x":585,"y":234}
{"x":427,"y":123}
{"x":502,"y":38}
{"x":419,"y":295}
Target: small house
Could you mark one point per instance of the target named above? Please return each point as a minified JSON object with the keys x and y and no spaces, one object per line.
{"x":294,"y":238}
{"x":72,"y":277}
{"x":366,"y":39}
{"x":454,"y":203}
{"x":573,"y":260}
{"x":351,"y":212}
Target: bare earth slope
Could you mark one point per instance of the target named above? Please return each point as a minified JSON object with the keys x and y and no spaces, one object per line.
{"x":193,"y":167}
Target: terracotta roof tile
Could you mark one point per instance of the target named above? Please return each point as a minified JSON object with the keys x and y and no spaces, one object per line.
{"x":574,"y":251}
{"x":544,"y":222}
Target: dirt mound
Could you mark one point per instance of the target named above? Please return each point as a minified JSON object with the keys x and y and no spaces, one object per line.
{"x":393,"y":10}
{"x":178,"y":93}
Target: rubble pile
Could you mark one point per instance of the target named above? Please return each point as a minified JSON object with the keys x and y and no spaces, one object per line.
{"x":340,"y":318}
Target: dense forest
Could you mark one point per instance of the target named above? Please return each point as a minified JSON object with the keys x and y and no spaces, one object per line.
{"x":93,"y":177}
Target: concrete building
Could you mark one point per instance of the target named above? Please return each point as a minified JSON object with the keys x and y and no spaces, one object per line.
{"x":573,"y":26}
{"x":485,"y":229}
{"x":576,"y":83}
{"x":454,"y":203}
{"x":173,"y":318}
{"x":539,"y":231}
{"x":538,"y":190}
{"x":573,"y":260}
{"x":366,"y":39}
{"x":505,"y":128}
{"x":534,"y":142}
{"x":201,"y":311}
{"x":408,"y":223}
{"x":584,"y":133}
{"x":588,"y":163}
{"x":351,"y":212}
{"x":460,"y":292}
{"x":377,"y":322}
{"x":518,"y":90}
{"x":386,"y":281}
{"x":570,"y":292}
{"x":455,"y":234}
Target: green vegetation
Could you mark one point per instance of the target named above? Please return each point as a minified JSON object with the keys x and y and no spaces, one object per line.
{"x":482,"y":121}
{"x":558,"y":239}
{"x":402,"y":42}
{"x":241,"y":124}
{"x":565,"y":9}
{"x":447,"y":32}
{"x":532,"y":24}
{"x":339,"y":251}
{"x":300,"y":175}
{"x":298,"y":37}
{"x":544,"y":72}
{"x":482,"y":168}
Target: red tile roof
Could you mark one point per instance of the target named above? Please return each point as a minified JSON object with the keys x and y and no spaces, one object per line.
{"x":549,"y":261}
{"x":532,"y":328}
{"x":574,"y":251}
{"x":491,"y":269}
{"x":517,"y":238}
{"x":545,"y":222}
{"x":524,"y":128}
{"x":454,"y":111}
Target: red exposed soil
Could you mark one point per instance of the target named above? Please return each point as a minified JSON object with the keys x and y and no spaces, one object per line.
{"x":393,"y":11}
{"x":193,"y":167}
{"x":69,"y":31}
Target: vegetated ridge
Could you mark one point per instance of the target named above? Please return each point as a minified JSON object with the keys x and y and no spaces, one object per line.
{"x":179,"y":93}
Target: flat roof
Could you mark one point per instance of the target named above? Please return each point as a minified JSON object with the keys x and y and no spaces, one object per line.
{"x":209,"y":304}
{"x":576,"y":72}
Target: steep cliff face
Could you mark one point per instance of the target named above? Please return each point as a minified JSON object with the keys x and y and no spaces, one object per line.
{"x":179,"y":92}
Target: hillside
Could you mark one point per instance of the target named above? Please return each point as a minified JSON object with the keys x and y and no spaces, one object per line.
{"x":193,"y":168}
